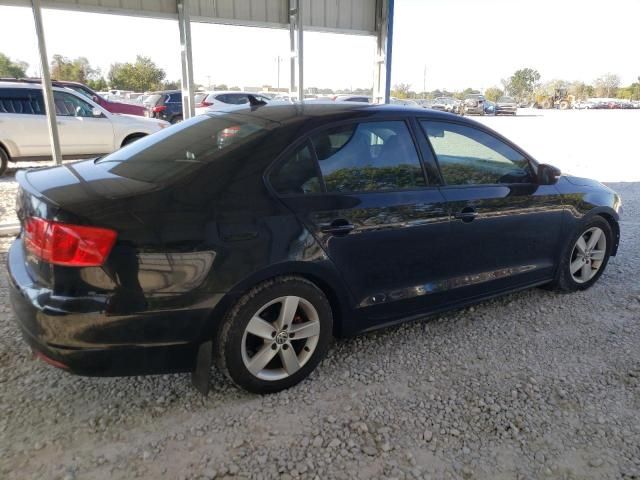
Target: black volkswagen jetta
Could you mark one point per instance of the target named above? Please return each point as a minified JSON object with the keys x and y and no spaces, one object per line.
{"x":250,"y":238}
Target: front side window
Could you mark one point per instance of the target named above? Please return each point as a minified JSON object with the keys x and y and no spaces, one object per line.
{"x":68,"y":105}
{"x":468,"y":156}
{"x":371,"y":156}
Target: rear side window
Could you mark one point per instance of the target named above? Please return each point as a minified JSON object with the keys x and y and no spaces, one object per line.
{"x":26,"y":101}
{"x":175,"y":97}
{"x":297,"y":173}
{"x":368,"y":157}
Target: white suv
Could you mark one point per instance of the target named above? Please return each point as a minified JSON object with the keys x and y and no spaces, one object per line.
{"x":214,"y":101}
{"x":85,"y":128}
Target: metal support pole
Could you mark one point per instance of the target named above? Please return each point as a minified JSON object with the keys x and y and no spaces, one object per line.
{"x":184,"y":25}
{"x":47,"y":91}
{"x":384,"y":42}
{"x":300,"y":52}
{"x":297,"y":57}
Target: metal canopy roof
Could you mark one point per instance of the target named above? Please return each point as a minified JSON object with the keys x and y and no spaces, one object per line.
{"x":342,"y":16}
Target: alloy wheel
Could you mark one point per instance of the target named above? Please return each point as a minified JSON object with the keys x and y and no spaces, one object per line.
{"x":588,"y":254}
{"x":280,"y":338}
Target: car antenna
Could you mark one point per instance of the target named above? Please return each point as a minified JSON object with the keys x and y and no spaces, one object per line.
{"x":255,"y":101}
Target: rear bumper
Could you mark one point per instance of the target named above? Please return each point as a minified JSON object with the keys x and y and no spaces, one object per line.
{"x":76,"y":340}
{"x":506,"y":109}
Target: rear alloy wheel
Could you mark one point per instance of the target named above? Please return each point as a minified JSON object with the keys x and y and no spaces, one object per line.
{"x":275,"y":335}
{"x":585,"y":256}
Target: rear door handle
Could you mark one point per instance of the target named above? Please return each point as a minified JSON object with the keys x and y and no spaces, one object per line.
{"x":338,"y":228}
{"x":467,"y":214}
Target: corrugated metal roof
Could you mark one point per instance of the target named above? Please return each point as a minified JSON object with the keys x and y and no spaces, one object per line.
{"x":344,"y":16}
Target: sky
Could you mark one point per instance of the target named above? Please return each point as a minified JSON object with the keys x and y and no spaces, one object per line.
{"x":460,"y":43}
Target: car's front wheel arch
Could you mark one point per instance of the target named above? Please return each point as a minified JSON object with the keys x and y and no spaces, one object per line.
{"x":132,"y":137}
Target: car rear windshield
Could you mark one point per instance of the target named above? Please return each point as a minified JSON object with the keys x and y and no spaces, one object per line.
{"x":152,"y":99}
{"x":185,"y":147}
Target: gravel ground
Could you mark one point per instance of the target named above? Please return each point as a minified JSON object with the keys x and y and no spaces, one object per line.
{"x":532,"y":385}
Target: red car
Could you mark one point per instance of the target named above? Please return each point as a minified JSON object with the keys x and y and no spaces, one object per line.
{"x":113,"y":107}
{"x":108,"y":105}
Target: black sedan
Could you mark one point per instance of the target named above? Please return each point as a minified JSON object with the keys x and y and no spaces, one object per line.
{"x":248,"y":239}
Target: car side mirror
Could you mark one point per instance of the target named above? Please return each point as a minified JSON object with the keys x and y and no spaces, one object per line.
{"x":548,"y":174}
{"x":96,"y":113}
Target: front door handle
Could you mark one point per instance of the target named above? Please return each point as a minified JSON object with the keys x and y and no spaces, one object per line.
{"x":338,"y":228}
{"x":467,"y":214}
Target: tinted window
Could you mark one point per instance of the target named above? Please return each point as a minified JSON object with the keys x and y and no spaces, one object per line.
{"x":175,"y":97}
{"x":468,"y":156}
{"x":21,"y":100}
{"x":233,"y":98}
{"x":297,"y":173}
{"x":370,"y":156}
{"x":80,"y":90}
{"x":177,"y":151}
{"x":68,"y":105}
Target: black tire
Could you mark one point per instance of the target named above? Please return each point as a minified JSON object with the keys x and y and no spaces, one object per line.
{"x":230,"y":336}
{"x":4,"y":160}
{"x":131,"y":139}
{"x":176,"y":119}
{"x":564,"y":281}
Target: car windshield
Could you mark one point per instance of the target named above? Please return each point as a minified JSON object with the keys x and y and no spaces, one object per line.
{"x":506,"y":100}
{"x":183,"y":148}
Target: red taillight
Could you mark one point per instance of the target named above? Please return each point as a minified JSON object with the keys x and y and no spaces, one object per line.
{"x":68,"y":245}
{"x":229,"y":132}
{"x":204,"y":104}
{"x":159,"y":108}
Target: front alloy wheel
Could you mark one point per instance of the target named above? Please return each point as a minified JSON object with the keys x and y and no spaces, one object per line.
{"x":585,"y":256}
{"x":588,"y":254}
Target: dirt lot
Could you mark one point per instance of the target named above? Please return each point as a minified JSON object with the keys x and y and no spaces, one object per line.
{"x":533,"y":385}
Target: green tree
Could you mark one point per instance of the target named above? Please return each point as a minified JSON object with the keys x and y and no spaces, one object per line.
{"x":172,"y":85}
{"x":9,"y":68}
{"x":493,"y":94}
{"x":221,"y":86}
{"x":607,"y":85}
{"x":401,"y":90}
{"x":77,"y":70}
{"x":98,"y":84}
{"x":141,"y":76}
{"x":523,"y":82}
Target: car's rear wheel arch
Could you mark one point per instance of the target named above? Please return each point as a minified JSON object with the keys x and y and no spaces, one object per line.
{"x":337,"y":302}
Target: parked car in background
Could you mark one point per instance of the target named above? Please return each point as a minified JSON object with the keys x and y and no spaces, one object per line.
{"x":252,"y":237}
{"x":165,"y":105}
{"x":108,"y":105}
{"x":446,"y":104}
{"x":403,"y":101}
{"x":223,"y":100}
{"x":489,"y":107}
{"x":506,"y":106}
{"x":85,"y":128}
{"x":473,"y":104}
{"x":352,"y":98}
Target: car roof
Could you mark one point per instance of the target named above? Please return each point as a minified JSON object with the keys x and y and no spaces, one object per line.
{"x":33,"y":86}
{"x":330,"y":110}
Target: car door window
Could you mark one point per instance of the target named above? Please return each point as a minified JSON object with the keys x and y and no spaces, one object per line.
{"x":468,"y":156}
{"x":68,"y":105}
{"x":296,"y":173}
{"x":24,"y":101}
{"x":370,"y":156}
